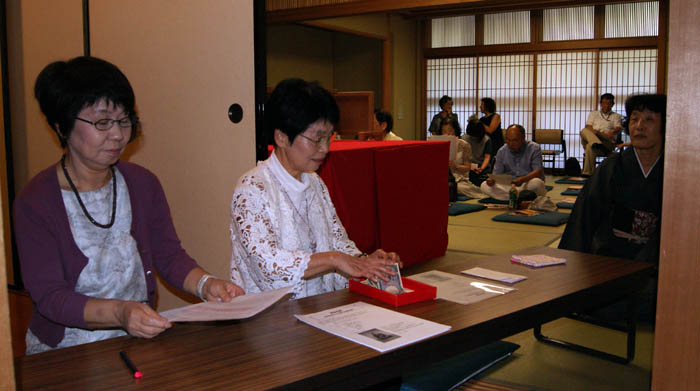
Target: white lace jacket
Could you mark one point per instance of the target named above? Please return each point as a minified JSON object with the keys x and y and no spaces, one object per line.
{"x":272,"y":242}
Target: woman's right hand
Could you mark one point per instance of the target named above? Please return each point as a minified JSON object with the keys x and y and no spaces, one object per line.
{"x":140,"y":320}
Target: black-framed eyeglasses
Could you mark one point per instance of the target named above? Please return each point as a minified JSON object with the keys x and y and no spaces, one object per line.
{"x":319,"y":141}
{"x":107,"y":123}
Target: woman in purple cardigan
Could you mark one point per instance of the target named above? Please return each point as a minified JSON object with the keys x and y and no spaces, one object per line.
{"x":92,"y":231}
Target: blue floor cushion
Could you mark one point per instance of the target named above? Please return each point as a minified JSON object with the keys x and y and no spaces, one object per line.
{"x":462,"y":197}
{"x":571,"y":192}
{"x":548,"y":187}
{"x":565,"y":205}
{"x":450,"y":373}
{"x":553,"y":219}
{"x":569,"y":181}
{"x":459,"y":208}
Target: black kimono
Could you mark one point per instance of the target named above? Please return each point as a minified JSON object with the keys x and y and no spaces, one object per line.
{"x":618,"y":214}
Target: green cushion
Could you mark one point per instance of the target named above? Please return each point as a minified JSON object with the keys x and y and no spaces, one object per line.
{"x":573,"y":192}
{"x":548,"y":187}
{"x":553,"y":219}
{"x":459,"y":208}
{"x":450,"y":373}
{"x":565,"y":205}
{"x":568,"y":181}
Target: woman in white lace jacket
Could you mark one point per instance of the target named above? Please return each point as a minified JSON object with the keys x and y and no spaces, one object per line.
{"x":284,"y":228}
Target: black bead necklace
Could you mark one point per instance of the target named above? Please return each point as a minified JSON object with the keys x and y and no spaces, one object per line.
{"x":82,"y":206}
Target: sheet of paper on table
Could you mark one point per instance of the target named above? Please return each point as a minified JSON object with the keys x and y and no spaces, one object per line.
{"x":375,"y":327}
{"x":502,"y":179}
{"x":462,"y":290}
{"x":494,"y":275}
{"x":240,"y":307}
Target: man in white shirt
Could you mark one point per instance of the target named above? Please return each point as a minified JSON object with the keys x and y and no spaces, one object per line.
{"x":384,"y":122}
{"x":600,"y":133}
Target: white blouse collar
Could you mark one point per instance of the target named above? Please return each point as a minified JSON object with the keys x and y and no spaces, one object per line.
{"x":290,"y":183}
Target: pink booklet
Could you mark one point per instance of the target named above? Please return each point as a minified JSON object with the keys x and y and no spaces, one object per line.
{"x":537,"y":260}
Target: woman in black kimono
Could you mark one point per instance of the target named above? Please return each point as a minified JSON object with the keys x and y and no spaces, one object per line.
{"x":618,"y":212}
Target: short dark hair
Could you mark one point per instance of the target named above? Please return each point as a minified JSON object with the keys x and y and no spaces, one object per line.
{"x":454,"y":124}
{"x":63,"y":88}
{"x":444,"y":100}
{"x":384,"y":117}
{"x":608,"y":96}
{"x":476,"y":129}
{"x":295,"y":104}
{"x":519,"y":127}
{"x":489,"y":104}
{"x":651,"y":102}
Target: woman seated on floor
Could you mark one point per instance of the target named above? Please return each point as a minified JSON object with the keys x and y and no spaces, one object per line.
{"x":461,"y":166}
{"x":480,"y":144}
{"x":92,"y":230}
{"x":284,"y":228}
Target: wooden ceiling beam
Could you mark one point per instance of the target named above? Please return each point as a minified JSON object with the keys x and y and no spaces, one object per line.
{"x":421,"y":9}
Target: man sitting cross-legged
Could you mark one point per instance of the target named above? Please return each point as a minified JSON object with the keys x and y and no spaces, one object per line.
{"x":520,"y":158}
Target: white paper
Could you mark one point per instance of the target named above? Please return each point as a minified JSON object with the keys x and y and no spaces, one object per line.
{"x":453,"y":143}
{"x":459,"y":289}
{"x":494,"y":275}
{"x":241,"y":307}
{"x":375,"y":327}
{"x":502,"y":179}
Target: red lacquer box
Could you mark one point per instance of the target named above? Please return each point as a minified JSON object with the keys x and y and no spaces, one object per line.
{"x":421,"y":292}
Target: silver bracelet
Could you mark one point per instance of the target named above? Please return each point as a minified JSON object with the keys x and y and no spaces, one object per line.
{"x":200,"y":285}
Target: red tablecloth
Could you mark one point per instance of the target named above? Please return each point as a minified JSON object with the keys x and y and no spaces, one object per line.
{"x":391,"y":195}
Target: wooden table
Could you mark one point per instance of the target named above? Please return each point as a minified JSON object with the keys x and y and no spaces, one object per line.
{"x":274,"y":350}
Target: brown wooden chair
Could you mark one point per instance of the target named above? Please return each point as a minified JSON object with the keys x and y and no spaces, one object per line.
{"x":552,"y":143}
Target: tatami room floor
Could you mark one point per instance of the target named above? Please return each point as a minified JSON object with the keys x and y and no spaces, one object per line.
{"x":535,"y":365}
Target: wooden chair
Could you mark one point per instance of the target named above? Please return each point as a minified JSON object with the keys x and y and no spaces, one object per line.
{"x":554,"y":140}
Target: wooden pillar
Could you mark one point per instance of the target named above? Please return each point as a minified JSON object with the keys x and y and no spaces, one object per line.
{"x":676,"y":341}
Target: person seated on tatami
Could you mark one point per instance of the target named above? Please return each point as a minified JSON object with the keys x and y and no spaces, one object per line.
{"x":460,"y":167}
{"x":600,"y":133}
{"x":482,"y":152}
{"x":383,"y":121}
{"x":520,"y":158}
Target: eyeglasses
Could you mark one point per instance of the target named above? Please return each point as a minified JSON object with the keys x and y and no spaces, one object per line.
{"x":320,"y":141}
{"x":107,"y":123}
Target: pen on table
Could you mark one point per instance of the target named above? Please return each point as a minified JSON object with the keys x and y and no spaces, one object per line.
{"x":135,"y":371}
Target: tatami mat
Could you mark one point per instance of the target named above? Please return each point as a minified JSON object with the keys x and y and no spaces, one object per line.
{"x":484,"y":240}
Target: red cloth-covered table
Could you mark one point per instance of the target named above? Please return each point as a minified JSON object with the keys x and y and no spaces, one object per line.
{"x":391,"y":195}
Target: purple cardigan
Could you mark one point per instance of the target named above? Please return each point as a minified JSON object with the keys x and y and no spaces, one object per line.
{"x":51,"y":260}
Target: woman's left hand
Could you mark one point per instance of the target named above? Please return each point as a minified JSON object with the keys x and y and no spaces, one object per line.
{"x":381,"y":255}
{"x":219,"y":290}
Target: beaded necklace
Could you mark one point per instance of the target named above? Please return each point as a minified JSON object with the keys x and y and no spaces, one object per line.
{"x":80,"y":201}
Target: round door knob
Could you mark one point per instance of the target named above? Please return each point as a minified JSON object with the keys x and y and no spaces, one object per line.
{"x":235,"y":113}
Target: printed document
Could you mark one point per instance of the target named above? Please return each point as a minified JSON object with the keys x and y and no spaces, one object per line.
{"x":502,"y":179}
{"x":459,"y":289}
{"x":375,"y":327}
{"x":241,"y":307}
